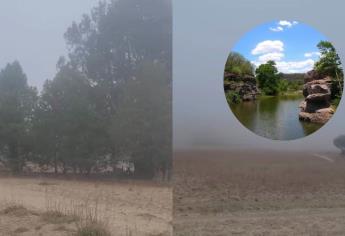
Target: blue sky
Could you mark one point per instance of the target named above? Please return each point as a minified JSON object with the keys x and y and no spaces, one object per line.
{"x":291,"y":44}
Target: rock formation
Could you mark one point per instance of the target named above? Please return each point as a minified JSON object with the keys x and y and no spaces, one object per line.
{"x":316,"y":107}
{"x":244,"y":86}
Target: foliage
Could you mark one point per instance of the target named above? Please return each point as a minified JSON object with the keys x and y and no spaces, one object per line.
{"x":232,"y":97}
{"x":283,"y":86}
{"x":68,"y":129}
{"x":237,"y":64}
{"x":110,"y":98}
{"x":268,"y":78}
{"x":141,"y":127}
{"x":17,"y":101}
{"x":330,"y":65}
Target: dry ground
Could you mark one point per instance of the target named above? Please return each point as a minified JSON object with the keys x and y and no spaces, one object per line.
{"x":125,"y":208}
{"x":259,"y":193}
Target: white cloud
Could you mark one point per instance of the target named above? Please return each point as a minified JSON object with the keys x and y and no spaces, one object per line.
{"x":275,"y":56}
{"x":295,"y":66}
{"x":268,"y":46}
{"x":291,"y":66}
{"x":311,"y":54}
{"x":282,"y":24}
{"x":277,"y":29}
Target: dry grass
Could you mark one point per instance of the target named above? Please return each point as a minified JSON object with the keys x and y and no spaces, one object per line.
{"x":65,"y":207}
{"x":16,"y":210}
{"x":56,"y":217}
{"x":261,"y":189}
{"x":93,"y":228}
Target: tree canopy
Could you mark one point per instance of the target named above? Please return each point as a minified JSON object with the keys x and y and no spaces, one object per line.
{"x":237,"y":64}
{"x":268,"y":78}
{"x":110,"y":98}
{"x":330,"y":65}
{"x":17,"y":102}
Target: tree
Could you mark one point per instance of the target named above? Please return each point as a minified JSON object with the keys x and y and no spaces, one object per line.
{"x":283,"y":86}
{"x":268,"y":78}
{"x":238,"y":65}
{"x":110,"y":47}
{"x":69,"y":130}
{"x":339,"y":142}
{"x":110,"y":43}
{"x":145,"y":113}
{"x":330,"y":65}
{"x":17,"y":103}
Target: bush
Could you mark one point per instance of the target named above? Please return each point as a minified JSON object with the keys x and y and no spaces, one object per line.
{"x":233,"y":97}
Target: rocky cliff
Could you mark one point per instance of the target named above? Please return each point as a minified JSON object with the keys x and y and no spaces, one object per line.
{"x":316,"y":107}
{"x":244,"y":86}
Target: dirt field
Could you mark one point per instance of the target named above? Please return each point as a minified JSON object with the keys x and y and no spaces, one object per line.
{"x":259,"y":193}
{"x":125,"y":208}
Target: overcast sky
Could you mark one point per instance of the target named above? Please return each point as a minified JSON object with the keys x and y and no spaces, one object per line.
{"x":32,"y":32}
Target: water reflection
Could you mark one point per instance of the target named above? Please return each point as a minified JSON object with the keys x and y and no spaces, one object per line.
{"x":274,"y":117}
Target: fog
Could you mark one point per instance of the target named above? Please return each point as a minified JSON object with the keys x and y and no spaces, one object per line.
{"x":32,"y":32}
{"x":204,"y":33}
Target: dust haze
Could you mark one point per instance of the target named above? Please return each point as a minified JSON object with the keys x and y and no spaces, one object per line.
{"x":202,"y":41}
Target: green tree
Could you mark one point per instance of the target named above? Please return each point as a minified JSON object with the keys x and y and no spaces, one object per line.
{"x":330,"y":64}
{"x":17,"y":102}
{"x":110,"y":47}
{"x":237,"y":64}
{"x":69,"y":130}
{"x":109,"y":44}
{"x":145,"y":113}
{"x":268,"y":78}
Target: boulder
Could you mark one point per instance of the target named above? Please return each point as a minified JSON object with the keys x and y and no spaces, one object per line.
{"x":311,"y":75}
{"x":316,"y":117}
{"x":303,"y":106}
{"x":328,"y":110}
{"x":317,"y":92}
{"x":244,"y":86}
{"x":318,"y":97}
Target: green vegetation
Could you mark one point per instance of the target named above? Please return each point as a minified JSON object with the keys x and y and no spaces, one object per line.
{"x":330,"y":65}
{"x":268,"y":79}
{"x":17,"y":101}
{"x":232,"y":97}
{"x":110,"y":99}
{"x":238,"y":65}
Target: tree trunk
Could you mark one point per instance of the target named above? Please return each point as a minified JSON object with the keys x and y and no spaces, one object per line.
{"x":55,"y":166}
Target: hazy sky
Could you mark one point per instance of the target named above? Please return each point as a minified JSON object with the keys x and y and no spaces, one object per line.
{"x":32,"y":32}
{"x":204,"y":34}
{"x":291,"y":44}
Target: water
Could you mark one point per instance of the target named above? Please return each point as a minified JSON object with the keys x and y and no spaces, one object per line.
{"x":274,"y":117}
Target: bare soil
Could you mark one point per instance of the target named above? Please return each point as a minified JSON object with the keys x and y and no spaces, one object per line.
{"x":259,"y":193}
{"x":125,"y":208}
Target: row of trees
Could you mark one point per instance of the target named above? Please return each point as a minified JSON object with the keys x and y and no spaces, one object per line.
{"x":268,"y":79}
{"x":110,"y":99}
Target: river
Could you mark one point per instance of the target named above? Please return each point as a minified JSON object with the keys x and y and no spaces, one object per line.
{"x":274,"y":117}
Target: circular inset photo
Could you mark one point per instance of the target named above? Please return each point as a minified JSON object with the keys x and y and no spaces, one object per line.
{"x":283,"y":80}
